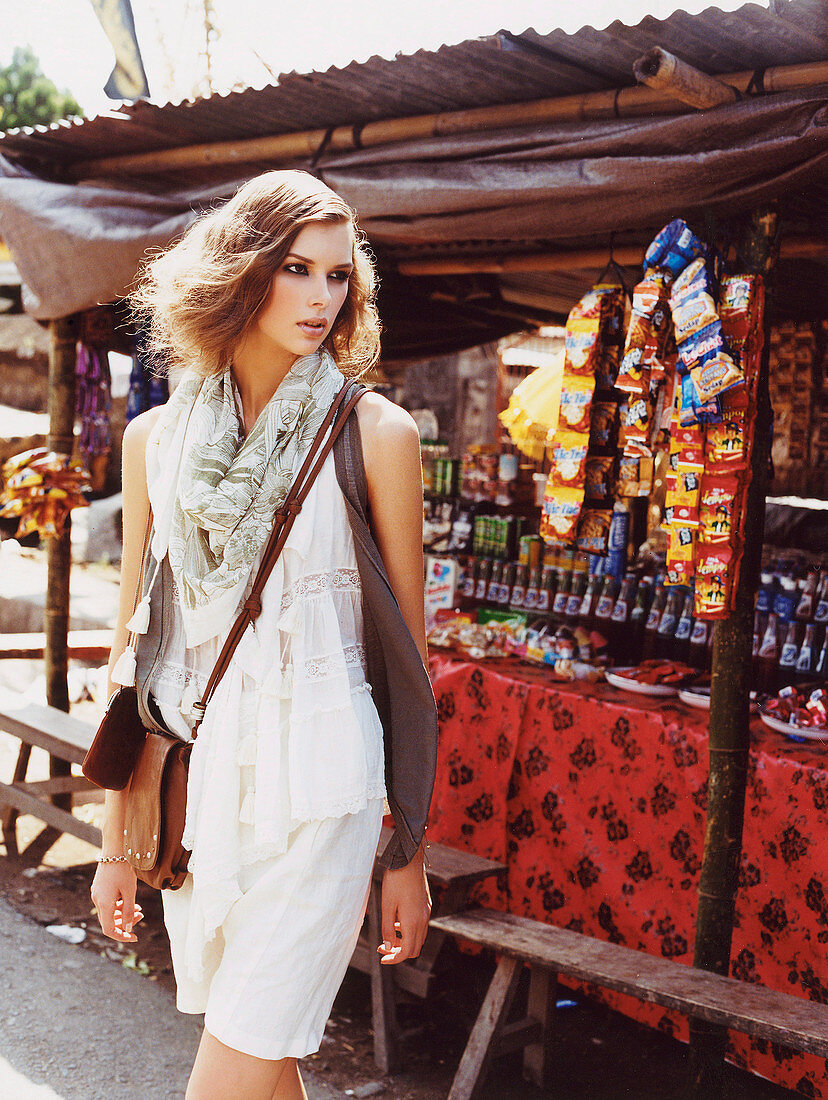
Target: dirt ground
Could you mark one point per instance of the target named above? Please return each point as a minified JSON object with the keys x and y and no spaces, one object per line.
{"x":601,"y":1055}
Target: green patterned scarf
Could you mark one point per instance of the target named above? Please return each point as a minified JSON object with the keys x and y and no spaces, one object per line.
{"x":218,"y":513}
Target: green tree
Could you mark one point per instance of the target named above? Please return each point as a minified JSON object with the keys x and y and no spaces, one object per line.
{"x":28,"y":97}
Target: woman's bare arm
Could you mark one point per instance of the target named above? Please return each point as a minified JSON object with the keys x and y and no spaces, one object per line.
{"x":113,"y":888}
{"x":391,"y":450}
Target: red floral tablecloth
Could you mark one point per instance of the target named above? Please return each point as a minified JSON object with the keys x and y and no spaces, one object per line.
{"x":596,"y":802}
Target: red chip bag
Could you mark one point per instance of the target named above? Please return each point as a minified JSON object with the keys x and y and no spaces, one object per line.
{"x":714,"y":581}
{"x":720,"y":497}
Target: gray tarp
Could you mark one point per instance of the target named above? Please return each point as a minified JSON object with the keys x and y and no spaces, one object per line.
{"x":79,"y":245}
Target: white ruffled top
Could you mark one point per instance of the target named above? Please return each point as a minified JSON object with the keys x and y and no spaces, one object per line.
{"x":291,"y":733}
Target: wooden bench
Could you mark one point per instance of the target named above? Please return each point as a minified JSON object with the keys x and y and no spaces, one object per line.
{"x":451,"y":875}
{"x":83,"y":645}
{"x":549,"y":951}
{"x":66,"y":738}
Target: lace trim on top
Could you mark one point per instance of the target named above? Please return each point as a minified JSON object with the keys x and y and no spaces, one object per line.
{"x":322,"y":668}
{"x":321,"y":584}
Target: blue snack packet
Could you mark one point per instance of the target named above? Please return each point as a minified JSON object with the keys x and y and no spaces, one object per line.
{"x":674,"y":247}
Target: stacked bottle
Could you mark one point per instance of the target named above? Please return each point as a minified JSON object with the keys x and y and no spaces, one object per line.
{"x":790,"y":635}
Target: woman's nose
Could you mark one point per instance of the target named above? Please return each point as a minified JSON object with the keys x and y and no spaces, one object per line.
{"x":321,"y":294}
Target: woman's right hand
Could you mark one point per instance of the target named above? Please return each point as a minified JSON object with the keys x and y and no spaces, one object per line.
{"x":113,"y":894}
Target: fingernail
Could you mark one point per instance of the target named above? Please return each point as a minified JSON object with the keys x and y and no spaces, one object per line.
{"x":129,"y":927}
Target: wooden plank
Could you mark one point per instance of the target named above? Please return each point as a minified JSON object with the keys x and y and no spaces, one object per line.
{"x":447,"y":865}
{"x":27,"y":803}
{"x":489,"y":1023}
{"x":751,"y":1009}
{"x":47,"y":727}
{"x":383,"y":1004}
{"x":537,"y":1056}
{"x":61,"y":784}
{"x":83,"y":645}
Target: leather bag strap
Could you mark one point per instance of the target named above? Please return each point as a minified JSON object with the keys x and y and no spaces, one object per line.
{"x":284,"y":519}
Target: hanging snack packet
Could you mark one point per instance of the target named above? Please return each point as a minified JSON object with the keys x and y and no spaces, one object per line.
{"x":651,"y":291}
{"x":741,"y":307}
{"x":717,"y":507}
{"x":636,"y":421}
{"x":702,"y":343}
{"x":598,"y":482}
{"x":582,"y":328}
{"x":693,"y":410}
{"x":715,"y":374}
{"x":559,"y":513}
{"x":681,"y":507}
{"x":714,"y":580}
{"x":674,"y":247}
{"x":724,"y":445}
{"x":581,"y":345}
{"x":630,"y":372}
{"x":687,"y":444}
{"x":576,"y":399}
{"x":694,"y":314}
{"x":692,"y":281}
{"x":568,"y":453}
{"x":602,"y":425}
{"x":593,"y":530}
{"x":628,"y":480}
{"x":680,"y":555}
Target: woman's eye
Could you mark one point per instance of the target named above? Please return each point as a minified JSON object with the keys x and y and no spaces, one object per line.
{"x":292,"y":268}
{"x":340,"y":276}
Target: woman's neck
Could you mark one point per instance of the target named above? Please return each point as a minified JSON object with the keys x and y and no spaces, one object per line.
{"x":258,"y":368}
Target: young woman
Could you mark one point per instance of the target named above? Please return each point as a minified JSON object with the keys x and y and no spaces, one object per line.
{"x":267,"y":302}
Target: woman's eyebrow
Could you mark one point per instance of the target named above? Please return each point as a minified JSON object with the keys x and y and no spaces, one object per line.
{"x":305,"y":260}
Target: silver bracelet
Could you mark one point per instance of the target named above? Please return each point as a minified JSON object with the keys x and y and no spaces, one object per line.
{"x":112,"y":859}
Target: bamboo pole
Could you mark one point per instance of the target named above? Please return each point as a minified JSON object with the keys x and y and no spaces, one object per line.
{"x":625,"y":102}
{"x":795,"y":248}
{"x":61,"y":406}
{"x":667,"y":73}
{"x":729,"y":741}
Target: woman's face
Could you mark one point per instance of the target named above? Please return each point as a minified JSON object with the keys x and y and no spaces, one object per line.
{"x":309,"y":288}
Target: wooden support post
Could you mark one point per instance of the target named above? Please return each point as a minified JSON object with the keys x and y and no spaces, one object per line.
{"x":383,"y":999}
{"x":487,"y":1027}
{"x":63,"y":335}
{"x":729,"y":712}
{"x":537,"y":1057}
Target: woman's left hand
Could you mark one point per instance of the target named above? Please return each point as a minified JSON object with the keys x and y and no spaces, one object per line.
{"x":406,"y":910}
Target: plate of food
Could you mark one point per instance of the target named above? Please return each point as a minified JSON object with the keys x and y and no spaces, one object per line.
{"x":797,"y":713}
{"x":693,"y":696}
{"x":654,"y":677}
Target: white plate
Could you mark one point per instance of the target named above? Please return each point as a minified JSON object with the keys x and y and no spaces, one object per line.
{"x":698,"y":699}
{"x":626,"y":684}
{"x":777,"y":724}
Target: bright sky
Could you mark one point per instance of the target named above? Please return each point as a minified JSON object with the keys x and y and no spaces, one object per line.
{"x":303,"y":35}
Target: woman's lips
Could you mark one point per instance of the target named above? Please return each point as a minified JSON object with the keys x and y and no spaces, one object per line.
{"x":312,"y":329}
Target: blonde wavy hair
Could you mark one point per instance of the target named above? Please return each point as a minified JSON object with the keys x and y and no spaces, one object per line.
{"x":195,"y":300}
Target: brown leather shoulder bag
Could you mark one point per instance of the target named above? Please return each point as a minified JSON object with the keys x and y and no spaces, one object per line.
{"x":156,"y":795}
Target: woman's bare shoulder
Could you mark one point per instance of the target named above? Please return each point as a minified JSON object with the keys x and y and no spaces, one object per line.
{"x":134,"y":446}
{"x":384,"y":424}
{"x":138,"y":429}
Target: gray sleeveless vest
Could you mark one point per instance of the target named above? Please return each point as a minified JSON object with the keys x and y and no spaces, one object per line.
{"x":399,"y":682}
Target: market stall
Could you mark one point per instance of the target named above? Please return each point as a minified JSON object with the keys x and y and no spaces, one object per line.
{"x":596,"y":803}
{"x":591,"y":555}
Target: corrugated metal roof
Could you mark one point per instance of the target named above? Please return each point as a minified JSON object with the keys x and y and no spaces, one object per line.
{"x":502,"y":68}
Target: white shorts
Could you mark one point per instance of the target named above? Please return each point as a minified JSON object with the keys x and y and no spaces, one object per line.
{"x":278,"y":960}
